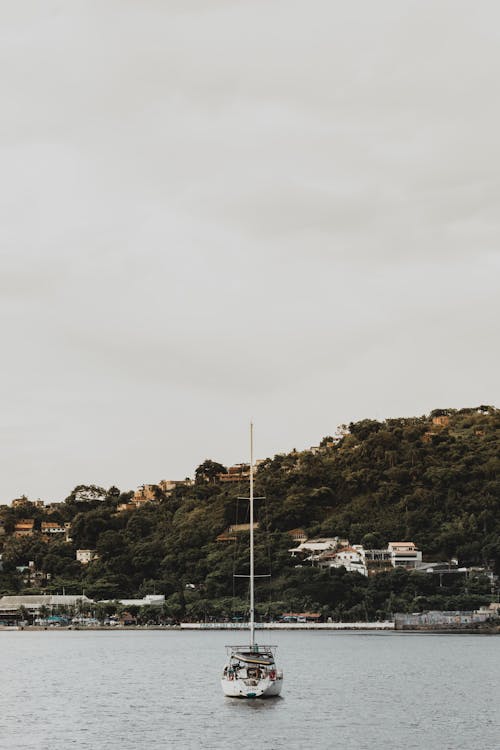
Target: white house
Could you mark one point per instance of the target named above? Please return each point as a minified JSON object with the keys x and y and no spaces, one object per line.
{"x":350,"y":558}
{"x":154,"y":600}
{"x":316,"y":546}
{"x":85,"y":556}
{"x":53,"y":529}
{"x":404,"y":554}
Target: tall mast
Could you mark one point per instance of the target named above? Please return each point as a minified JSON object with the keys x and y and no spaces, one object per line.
{"x":252,"y":603}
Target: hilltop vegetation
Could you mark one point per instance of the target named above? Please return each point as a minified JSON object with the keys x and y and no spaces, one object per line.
{"x":434,"y":480}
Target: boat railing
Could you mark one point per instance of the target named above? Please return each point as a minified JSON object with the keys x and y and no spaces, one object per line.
{"x":257,"y":649}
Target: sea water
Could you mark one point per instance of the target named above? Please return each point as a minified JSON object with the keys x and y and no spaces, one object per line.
{"x":152,"y":689}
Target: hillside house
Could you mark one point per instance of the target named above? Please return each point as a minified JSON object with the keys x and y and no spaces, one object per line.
{"x":125,"y":507}
{"x":404,"y":554}
{"x":24,"y":527}
{"x":298,"y":535}
{"x":236,"y":473}
{"x":377,"y":560}
{"x":51,"y":528}
{"x":20,"y":501}
{"x":230,"y":534}
{"x":150,"y":600}
{"x":146,"y":493}
{"x":239,"y":528}
{"x":225,"y":537}
{"x":85,"y":556}
{"x":350,"y":558}
{"x":169,"y":485}
{"x":442,"y":421}
{"x":315,"y":547}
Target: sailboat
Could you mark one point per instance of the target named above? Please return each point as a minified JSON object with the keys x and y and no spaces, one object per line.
{"x":250,"y":670}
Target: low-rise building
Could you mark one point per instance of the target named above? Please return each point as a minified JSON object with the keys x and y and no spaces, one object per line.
{"x":52,"y":508}
{"x":239,"y":528}
{"x":24,"y":527}
{"x":86,"y":556}
{"x":11,"y":606}
{"x":151,"y":600}
{"x":439,"y":620}
{"x":230,"y":534}
{"x":311,"y":549}
{"x":146,"y":493}
{"x":125,"y":507}
{"x":168,"y":485}
{"x":442,"y":421}
{"x":53,"y":528}
{"x":492,"y":610}
{"x":404,"y":554}
{"x":350,"y":558}
{"x":300,"y":617}
{"x":236,"y":473}
{"x":298,"y":535}
{"x":18,"y":502}
{"x":225,"y":537}
{"x":321,"y":544}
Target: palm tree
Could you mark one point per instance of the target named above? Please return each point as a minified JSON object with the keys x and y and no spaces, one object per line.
{"x":43,"y":612}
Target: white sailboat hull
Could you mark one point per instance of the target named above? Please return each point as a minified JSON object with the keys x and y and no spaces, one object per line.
{"x":252,"y":688}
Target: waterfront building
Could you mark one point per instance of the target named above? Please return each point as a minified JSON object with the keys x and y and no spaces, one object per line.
{"x":153,"y":600}
{"x":436,"y":619}
{"x":11,"y":607}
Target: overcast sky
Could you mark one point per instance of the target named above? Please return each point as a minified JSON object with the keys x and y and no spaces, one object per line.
{"x":217,"y":210}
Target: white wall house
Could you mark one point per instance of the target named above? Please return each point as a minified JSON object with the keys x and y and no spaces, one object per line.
{"x":347,"y":557}
{"x":404,"y":554}
{"x":316,"y":546}
{"x":85,"y":556}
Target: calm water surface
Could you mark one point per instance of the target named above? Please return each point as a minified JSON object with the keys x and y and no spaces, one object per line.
{"x":124,"y":690}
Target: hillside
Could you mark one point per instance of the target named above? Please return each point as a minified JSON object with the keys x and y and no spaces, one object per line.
{"x":434,"y":480}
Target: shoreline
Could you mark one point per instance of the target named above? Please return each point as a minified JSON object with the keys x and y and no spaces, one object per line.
{"x":184,"y":626}
{"x":231,"y":627}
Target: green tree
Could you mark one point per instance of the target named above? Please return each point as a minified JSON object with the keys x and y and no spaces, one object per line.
{"x":209,"y":471}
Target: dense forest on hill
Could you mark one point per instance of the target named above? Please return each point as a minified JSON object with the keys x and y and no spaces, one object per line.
{"x":434,"y":480}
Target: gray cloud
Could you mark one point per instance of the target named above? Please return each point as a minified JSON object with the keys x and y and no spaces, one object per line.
{"x":217,"y":210}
